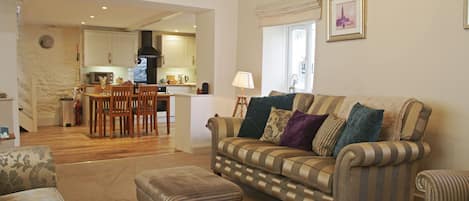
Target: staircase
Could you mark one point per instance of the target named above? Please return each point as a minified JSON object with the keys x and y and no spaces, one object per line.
{"x":28,"y":102}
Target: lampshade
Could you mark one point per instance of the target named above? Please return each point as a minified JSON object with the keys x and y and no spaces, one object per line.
{"x":243,"y":80}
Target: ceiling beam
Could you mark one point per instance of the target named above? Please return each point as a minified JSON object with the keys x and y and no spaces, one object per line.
{"x":154,"y":19}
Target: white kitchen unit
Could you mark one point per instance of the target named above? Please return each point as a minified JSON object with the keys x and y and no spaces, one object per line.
{"x":192,"y":113}
{"x":110,"y":48}
{"x":178,"y":51}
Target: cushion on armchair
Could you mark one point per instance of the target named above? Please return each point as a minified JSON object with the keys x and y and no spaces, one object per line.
{"x":258,"y":114}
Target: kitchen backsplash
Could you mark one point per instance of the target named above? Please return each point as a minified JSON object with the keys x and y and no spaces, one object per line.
{"x":123,"y":72}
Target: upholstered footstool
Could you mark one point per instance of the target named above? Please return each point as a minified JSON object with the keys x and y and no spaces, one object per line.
{"x":184,"y":183}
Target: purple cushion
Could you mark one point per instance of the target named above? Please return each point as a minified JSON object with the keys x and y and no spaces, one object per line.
{"x":301,"y":129}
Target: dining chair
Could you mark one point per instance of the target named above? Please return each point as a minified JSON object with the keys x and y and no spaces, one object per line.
{"x":146,"y":107}
{"x":99,"y":90}
{"x":120,"y":105}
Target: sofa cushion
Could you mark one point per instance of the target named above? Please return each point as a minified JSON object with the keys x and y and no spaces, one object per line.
{"x":314,"y":171}
{"x":230,"y":147}
{"x":276,"y":124}
{"x":363,"y":125}
{"x":258,"y":113}
{"x":269,"y":157}
{"x":262,"y":155}
{"x":324,"y":104}
{"x":327,"y":136}
{"x":301,"y":129}
{"x":302,"y":102}
{"x":38,"y":194}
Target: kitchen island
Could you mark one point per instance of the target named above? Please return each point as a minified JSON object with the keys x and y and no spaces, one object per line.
{"x":192,"y":113}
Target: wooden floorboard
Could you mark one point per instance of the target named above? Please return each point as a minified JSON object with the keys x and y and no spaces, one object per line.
{"x":71,"y":145}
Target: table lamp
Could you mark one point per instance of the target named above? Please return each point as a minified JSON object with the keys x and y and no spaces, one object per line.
{"x":242,"y":80}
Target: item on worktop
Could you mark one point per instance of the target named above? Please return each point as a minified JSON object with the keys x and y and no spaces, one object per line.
{"x":120,"y":80}
{"x":93,"y":77}
{"x":204,"y":88}
{"x":180,"y":79}
{"x":171,"y":79}
{"x":186,"y":78}
{"x":102,"y":83}
{"x":3,"y":95}
{"x":162,"y":81}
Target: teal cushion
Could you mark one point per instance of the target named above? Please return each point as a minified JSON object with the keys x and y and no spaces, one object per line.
{"x":363,"y":125}
{"x":259,"y":111}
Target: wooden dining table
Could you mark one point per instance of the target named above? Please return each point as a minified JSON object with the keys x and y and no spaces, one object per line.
{"x":97,"y":100}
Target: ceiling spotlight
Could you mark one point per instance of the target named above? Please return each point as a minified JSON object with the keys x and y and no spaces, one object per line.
{"x":83,"y":22}
{"x":92,"y":16}
{"x":195,"y":26}
{"x":104,"y":7}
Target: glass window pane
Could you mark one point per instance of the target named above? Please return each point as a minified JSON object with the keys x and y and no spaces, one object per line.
{"x":298,"y":57}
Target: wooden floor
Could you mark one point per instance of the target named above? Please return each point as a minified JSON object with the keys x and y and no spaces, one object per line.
{"x":70,"y":145}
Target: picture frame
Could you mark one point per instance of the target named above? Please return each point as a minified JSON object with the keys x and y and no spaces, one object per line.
{"x":346,"y":20}
{"x":466,"y":14}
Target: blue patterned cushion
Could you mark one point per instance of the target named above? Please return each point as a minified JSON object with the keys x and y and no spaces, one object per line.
{"x":363,"y":125}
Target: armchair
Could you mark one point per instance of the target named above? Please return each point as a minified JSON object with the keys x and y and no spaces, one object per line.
{"x":28,"y":173}
{"x":444,"y":185}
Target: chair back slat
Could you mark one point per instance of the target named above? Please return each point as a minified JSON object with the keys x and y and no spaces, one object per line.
{"x":120,"y":101}
{"x":146,"y":101}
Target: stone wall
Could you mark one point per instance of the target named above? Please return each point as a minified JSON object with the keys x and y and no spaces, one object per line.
{"x":53,"y":71}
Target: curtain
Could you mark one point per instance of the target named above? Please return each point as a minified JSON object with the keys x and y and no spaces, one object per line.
{"x":282,"y":12}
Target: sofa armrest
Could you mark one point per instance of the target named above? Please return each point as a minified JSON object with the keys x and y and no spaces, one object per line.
{"x":26,"y":168}
{"x":362,"y":166}
{"x":444,"y":185}
{"x":222,"y":127}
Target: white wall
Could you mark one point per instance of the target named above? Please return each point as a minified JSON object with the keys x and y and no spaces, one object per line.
{"x":205,"y":48}
{"x":224,"y":49}
{"x":8,"y":68}
{"x":274,"y":60}
{"x":413,"y":48}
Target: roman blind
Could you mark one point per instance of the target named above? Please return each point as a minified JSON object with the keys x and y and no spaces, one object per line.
{"x":288,"y":12}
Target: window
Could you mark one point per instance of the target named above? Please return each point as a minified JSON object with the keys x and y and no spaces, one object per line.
{"x":300,"y":66}
{"x":288,"y":58}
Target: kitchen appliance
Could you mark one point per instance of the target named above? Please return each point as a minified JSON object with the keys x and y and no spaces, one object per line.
{"x":93,"y":77}
{"x":205,"y":88}
{"x":147,"y":62}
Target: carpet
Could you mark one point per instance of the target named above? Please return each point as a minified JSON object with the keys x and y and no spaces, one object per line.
{"x":113,"y":180}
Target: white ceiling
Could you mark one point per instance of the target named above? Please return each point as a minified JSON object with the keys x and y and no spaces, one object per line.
{"x":134,"y":14}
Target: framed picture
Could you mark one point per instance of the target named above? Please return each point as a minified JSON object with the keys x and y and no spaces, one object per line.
{"x":466,"y":14}
{"x":346,"y":20}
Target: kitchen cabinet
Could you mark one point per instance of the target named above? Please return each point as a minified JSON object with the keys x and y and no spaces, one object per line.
{"x":178,"y":51}
{"x":110,"y":48}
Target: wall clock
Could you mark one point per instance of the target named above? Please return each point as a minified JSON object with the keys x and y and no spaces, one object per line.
{"x":46,"y":41}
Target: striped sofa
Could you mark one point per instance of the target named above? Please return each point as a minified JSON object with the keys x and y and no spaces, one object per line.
{"x":375,"y":171}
